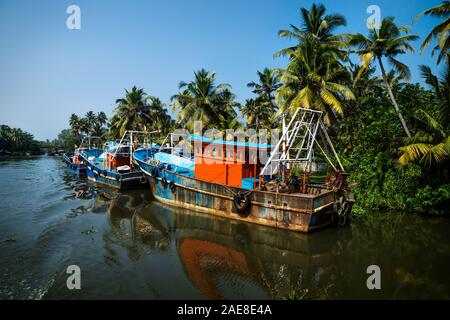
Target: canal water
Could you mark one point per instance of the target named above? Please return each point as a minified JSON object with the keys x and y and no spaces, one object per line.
{"x":130,"y":247}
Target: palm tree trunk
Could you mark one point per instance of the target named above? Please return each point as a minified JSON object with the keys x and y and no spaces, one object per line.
{"x":394,"y":102}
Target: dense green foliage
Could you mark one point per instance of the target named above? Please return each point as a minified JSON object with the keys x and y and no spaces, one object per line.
{"x":370,"y":140}
{"x":90,"y":125}
{"x":260,"y":111}
{"x":66,"y":141}
{"x":15,"y":142}
{"x":204,"y":100}
{"x":393,"y":164}
{"x":138,"y":111}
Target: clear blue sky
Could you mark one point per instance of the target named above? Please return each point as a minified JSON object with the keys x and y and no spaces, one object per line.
{"x":48,"y":72}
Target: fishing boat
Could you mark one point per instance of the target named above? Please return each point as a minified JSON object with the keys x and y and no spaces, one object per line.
{"x":114,"y":166}
{"x":75,"y":163}
{"x":223,"y":178}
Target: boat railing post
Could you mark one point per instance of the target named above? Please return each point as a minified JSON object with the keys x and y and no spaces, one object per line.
{"x":131,"y":149}
{"x":162,"y":144}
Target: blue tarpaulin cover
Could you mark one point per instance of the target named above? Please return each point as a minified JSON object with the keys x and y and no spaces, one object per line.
{"x":175,"y":160}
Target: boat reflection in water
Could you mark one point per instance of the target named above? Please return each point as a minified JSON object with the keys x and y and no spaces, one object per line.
{"x":224,"y":258}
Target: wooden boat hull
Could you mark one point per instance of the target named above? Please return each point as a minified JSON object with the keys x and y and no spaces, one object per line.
{"x":296,"y":212}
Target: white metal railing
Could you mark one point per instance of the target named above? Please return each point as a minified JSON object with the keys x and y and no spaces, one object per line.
{"x":298,"y":141}
{"x":127,"y":141}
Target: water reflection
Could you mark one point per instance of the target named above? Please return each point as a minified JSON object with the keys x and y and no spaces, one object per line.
{"x":413,"y":250}
{"x":221,"y":256}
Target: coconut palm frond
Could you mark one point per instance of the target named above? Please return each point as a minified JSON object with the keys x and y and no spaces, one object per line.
{"x":440,"y":31}
{"x":414,"y":152}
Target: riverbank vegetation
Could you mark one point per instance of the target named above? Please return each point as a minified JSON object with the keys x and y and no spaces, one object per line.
{"x":91,"y":124}
{"x":15,"y":142}
{"x":393,"y":135}
{"x":139,"y":111}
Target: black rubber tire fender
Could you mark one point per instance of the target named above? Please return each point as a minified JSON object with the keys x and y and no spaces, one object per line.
{"x":242,"y":203}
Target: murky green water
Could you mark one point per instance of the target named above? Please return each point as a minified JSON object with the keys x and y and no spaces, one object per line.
{"x":129,"y":246}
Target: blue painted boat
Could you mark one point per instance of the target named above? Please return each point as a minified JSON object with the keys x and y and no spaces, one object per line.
{"x":115,"y":166}
{"x":75,"y":163}
{"x":225,"y":178}
{"x":74,"y":166}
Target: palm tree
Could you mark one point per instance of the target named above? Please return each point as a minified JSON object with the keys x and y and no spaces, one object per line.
{"x":431,"y":143}
{"x":440,"y":86}
{"x":132,"y":112}
{"x":5,"y":132}
{"x":320,"y":26}
{"x":75,"y":124}
{"x":203,"y":100}
{"x":365,"y":83}
{"x":231,"y":123}
{"x":160,"y":119}
{"x":440,"y":31}
{"x":100,"y":121}
{"x":314,"y":79}
{"x":101,"y":118}
{"x":85,"y":127}
{"x":268,"y":83}
{"x":15,"y":136}
{"x":430,"y":146}
{"x":90,"y":119}
{"x":259,"y":113}
{"x":16,"y":140}
{"x":395,"y":81}
{"x":98,"y":130}
{"x":387,"y":42}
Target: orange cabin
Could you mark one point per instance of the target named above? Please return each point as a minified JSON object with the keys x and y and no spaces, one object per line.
{"x":227,"y":162}
{"x":117,"y":161}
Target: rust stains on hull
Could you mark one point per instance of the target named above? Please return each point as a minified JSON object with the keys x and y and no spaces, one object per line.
{"x":296,"y":212}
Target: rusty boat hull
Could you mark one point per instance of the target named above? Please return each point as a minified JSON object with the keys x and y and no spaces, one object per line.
{"x":296,"y":212}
